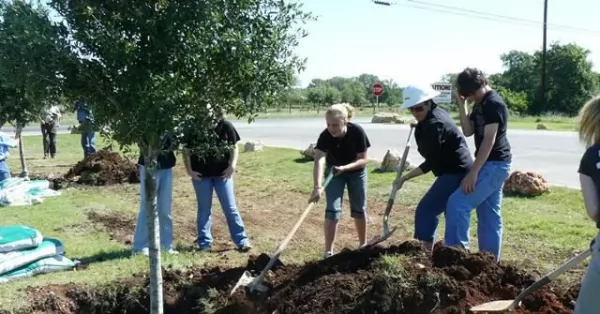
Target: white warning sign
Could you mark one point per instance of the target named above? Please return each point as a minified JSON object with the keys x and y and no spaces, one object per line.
{"x":445,"y":89}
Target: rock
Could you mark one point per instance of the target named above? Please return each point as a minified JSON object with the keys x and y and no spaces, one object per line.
{"x":541,"y":126}
{"x":253,"y":146}
{"x":525,"y":184}
{"x":390,"y":161}
{"x":389,"y":117}
{"x":309,"y":153}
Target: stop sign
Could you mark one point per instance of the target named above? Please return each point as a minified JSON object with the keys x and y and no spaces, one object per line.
{"x":377,"y":89}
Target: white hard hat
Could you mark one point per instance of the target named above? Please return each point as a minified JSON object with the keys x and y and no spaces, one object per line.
{"x":416,"y":94}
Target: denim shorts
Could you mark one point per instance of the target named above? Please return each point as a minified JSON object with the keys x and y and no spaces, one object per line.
{"x":357,"y":194}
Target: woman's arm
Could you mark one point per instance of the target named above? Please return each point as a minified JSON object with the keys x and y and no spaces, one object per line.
{"x":318,"y":168}
{"x":233,"y":156}
{"x":590,"y":197}
{"x":186,"y":160}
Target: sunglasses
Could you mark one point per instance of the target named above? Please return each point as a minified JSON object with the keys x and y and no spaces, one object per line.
{"x":416,"y":108}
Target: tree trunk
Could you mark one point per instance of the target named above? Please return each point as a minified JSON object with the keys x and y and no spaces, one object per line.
{"x":24,"y":170}
{"x":156,"y":282}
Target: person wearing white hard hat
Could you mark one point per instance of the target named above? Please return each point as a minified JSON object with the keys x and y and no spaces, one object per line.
{"x":482,"y":186}
{"x":446,"y":155}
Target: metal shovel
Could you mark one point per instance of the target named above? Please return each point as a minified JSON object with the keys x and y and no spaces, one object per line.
{"x":256,"y":283}
{"x":511,"y":305}
{"x":387,"y":233}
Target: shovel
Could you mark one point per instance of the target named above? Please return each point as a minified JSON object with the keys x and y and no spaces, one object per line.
{"x":387,"y":233}
{"x":256,"y":283}
{"x":511,"y":305}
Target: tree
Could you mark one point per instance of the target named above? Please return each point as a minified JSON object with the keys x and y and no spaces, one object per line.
{"x":33,"y":51}
{"x":154,"y":65}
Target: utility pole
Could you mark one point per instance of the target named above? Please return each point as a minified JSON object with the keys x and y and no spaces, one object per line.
{"x":544,"y":44}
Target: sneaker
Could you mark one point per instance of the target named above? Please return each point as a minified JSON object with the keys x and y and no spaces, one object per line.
{"x":172,"y":252}
{"x":328,"y":254}
{"x":144,"y":251}
{"x":205,"y":249}
{"x":245,"y":247}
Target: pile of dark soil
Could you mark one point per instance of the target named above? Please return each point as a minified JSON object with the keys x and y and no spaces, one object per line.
{"x":353,"y":282}
{"x":104,"y":168}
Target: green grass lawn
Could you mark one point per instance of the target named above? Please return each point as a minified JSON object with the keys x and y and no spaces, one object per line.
{"x":272,"y":186}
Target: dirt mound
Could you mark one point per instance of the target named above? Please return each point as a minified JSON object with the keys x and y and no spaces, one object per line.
{"x":104,"y":168}
{"x":398,"y":279}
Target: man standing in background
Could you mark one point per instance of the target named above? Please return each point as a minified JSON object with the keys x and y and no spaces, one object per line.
{"x":50,"y":123}
{"x":86,"y":126}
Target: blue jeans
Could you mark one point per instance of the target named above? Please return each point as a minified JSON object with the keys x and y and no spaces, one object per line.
{"x":164,"y":197}
{"x":4,"y":170}
{"x":587,"y":301}
{"x":225,"y":193}
{"x":487,"y":199}
{"x":433,"y":204}
{"x":357,"y":194}
{"x":88,"y":142}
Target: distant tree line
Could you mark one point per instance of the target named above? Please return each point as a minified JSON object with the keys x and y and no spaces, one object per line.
{"x":570,"y":82}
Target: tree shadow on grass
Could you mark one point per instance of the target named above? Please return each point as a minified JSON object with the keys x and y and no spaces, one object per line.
{"x":105,"y":256}
{"x":302,"y":160}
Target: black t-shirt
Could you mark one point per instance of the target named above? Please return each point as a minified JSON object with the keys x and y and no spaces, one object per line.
{"x":166,"y":159}
{"x":492,"y":109}
{"x":441,"y":144}
{"x":215,"y":166}
{"x":590,"y":166}
{"x":343,"y":150}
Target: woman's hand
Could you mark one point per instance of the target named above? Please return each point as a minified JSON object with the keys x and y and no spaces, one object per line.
{"x":195,"y":175}
{"x":228,"y":173}
{"x":316,"y":194}
{"x":339,"y":169}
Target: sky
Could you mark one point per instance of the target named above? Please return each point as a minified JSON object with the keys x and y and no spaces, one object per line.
{"x":410,"y":41}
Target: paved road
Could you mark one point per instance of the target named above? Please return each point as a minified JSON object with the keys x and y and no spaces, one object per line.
{"x":554,"y":154}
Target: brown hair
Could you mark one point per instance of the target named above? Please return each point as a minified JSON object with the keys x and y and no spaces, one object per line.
{"x":469,"y":81}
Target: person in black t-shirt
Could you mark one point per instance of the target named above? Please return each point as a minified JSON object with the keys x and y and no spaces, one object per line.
{"x":342,"y":148}
{"x":589,"y":176}
{"x":216,"y":172}
{"x":445,"y":152}
{"x":482,"y":186}
{"x":164,"y":198}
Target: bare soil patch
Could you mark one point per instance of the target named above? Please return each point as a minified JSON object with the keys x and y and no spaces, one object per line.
{"x":350,"y":282}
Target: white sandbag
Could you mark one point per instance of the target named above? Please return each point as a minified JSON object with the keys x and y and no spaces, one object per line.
{"x":45,"y":265}
{"x":13,"y":260}
{"x":18,"y":238}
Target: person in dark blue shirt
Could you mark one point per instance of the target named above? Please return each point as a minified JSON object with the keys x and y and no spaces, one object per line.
{"x":87,"y":128}
{"x":446,"y":154}
{"x":166,"y":160}
{"x":482,"y":186}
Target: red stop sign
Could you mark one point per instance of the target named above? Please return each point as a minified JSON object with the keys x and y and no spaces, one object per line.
{"x":377,"y":89}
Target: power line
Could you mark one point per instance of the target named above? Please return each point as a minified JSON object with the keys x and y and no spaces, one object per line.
{"x":453,"y":10}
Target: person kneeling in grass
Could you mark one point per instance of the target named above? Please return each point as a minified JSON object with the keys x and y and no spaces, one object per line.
{"x":164,"y":197}
{"x":446,"y":154}
{"x":342,"y":148}
{"x":589,"y":176}
{"x":214,"y":172}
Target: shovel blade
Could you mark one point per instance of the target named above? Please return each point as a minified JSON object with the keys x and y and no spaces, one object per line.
{"x":381,"y":238}
{"x":244,"y":281}
{"x":495,"y":306}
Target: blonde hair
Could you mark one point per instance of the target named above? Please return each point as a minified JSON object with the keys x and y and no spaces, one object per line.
{"x":340,"y":111}
{"x":589,"y":122}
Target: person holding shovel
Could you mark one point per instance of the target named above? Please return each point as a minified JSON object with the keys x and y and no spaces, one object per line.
{"x":589,"y":176}
{"x":446,"y":154}
{"x":482,"y":186}
{"x":341,"y":148}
